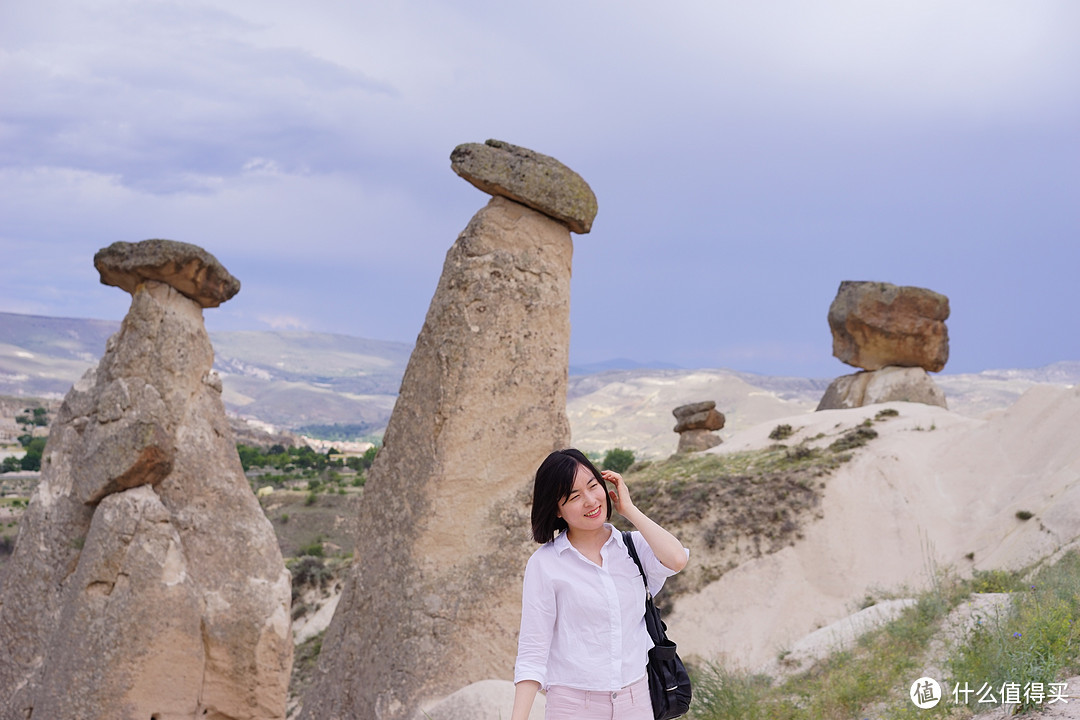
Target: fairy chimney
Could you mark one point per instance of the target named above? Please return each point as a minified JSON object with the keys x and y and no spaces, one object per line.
{"x":433,"y":600}
{"x":146,"y":581}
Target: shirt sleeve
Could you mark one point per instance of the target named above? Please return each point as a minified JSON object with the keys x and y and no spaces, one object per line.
{"x":656,"y":571}
{"x":537,"y":624}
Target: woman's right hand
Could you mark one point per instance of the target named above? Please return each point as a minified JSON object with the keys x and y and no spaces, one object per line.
{"x":524,"y":695}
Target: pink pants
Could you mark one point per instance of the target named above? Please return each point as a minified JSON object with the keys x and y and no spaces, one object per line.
{"x":630,"y":703}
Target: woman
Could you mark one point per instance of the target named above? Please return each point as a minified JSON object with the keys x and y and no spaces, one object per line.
{"x":583,"y":635}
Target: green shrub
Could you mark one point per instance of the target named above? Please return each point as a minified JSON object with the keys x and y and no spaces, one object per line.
{"x":618,"y":460}
{"x":995,"y":581}
{"x":781,"y":432}
{"x":313,"y":549}
{"x":853,"y":438}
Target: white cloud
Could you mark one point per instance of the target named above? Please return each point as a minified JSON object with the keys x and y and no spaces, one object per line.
{"x":283,"y":322}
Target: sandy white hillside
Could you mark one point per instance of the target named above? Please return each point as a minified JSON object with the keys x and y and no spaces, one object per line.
{"x":934,"y":487}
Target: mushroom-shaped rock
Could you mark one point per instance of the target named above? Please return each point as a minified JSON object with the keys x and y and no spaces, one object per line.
{"x":187,"y":268}
{"x":538,"y":181}
{"x":876,"y":324}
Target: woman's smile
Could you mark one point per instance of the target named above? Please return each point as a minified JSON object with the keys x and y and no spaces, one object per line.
{"x":584,"y":508}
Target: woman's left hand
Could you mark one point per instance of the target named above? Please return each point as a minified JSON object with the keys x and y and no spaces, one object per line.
{"x":620,"y":496}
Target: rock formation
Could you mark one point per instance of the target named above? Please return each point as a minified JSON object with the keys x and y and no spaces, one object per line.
{"x":696,"y":425}
{"x":896,"y":335}
{"x":146,"y":581}
{"x":433,"y":601}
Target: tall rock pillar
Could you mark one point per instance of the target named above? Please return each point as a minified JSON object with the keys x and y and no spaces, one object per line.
{"x":146,"y":581}
{"x":433,"y":600}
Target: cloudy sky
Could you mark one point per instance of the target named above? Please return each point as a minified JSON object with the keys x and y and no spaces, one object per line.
{"x":747,"y":157}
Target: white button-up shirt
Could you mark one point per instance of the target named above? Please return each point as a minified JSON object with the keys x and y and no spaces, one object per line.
{"x":583,"y":625}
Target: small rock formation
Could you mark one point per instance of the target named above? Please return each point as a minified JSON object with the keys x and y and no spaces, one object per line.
{"x":538,"y":181}
{"x":146,"y":581}
{"x":895,"y":334}
{"x":433,"y":601}
{"x":696,"y":425}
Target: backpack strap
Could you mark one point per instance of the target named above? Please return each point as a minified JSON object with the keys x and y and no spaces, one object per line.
{"x":628,"y":540}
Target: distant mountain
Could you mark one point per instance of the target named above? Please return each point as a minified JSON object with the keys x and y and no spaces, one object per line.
{"x":289,"y":379}
{"x":295,"y":379}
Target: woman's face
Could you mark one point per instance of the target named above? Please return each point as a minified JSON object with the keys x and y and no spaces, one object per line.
{"x":585,"y":507}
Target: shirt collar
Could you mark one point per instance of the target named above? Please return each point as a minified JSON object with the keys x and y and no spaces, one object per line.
{"x":562,"y":542}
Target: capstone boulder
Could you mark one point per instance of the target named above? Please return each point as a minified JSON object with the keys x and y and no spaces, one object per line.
{"x":185,"y":267}
{"x":698,"y":416}
{"x":696,"y":424}
{"x":876,"y":324}
{"x":538,"y":181}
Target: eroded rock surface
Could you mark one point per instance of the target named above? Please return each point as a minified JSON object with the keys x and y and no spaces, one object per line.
{"x":146,"y":581}
{"x":434,"y":600}
{"x":876,"y":324}
{"x":539,"y":181}
{"x":906,"y":384}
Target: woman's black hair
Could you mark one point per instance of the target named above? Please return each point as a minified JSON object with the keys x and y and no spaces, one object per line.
{"x":553,"y":484}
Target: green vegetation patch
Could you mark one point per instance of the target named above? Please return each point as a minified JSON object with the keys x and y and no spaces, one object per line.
{"x":1035,"y":640}
{"x":302,"y":528}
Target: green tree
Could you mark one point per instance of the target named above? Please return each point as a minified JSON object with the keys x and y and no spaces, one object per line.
{"x":369,"y":456}
{"x":618,"y":460}
{"x":32,"y":459}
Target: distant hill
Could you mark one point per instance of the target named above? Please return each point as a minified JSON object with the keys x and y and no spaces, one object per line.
{"x":296,"y":379}
{"x":619,"y":364}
